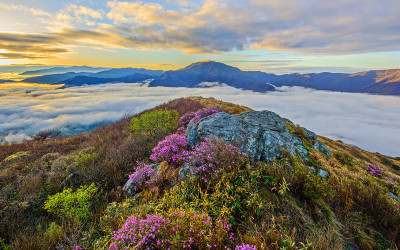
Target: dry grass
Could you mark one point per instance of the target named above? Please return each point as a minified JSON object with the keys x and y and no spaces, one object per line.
{"x":356,"y":210}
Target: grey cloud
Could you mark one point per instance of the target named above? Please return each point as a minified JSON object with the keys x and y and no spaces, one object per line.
{"x":311,"y":27}
{"x":19,"y":56}
{"x":307,"y":27}
{"x":31,"y":46}
{"x":368,"y":121}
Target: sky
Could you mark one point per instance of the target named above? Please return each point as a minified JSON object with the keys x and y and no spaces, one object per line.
{"x":367,"y":121}
{"x":282,"y":36}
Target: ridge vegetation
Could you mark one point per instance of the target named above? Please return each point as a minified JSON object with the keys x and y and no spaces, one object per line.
{"x":66,"y":192}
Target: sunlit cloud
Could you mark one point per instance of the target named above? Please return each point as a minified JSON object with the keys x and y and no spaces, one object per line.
{"x":217,"y":27}
{"x":368,"y":121}
{"x":20,"y":7}
{"x":30,"y":46}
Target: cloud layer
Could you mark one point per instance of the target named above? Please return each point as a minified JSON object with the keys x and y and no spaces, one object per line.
{"x":215,"y":26}
{"x":368,"y":121}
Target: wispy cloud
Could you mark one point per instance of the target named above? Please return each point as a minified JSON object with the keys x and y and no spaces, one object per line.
{"x":30,"y":46}
{"x":306,"y":27}
{"x":20,"y":7}
{"x":368,"y":121}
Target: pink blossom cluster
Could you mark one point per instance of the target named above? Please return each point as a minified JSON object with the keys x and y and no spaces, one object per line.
{"x":140,"y":233}
{"x":246,"y":247}
{"x":172,"y":150}
{"x":194,"y":117}
{"x":142,"y":174}
{"x":374,"y":170}
{"x":209,"y":158}
{"x":175,"y":231}
{"x":391,"y":183}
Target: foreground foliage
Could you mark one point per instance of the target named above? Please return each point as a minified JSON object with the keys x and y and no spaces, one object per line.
{"x":66,"y":192}
{"x":72,"y":205}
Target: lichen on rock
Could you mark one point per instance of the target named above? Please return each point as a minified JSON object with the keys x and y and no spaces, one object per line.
{"x":259,"y":134}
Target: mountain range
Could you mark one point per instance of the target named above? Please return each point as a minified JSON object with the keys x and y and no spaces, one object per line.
{"x":62,"y":69}
{"x":385,"y":82}
{"x":5,"y":81}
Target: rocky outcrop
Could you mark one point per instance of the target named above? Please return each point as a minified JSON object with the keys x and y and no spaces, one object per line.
{"x":259,"y":134}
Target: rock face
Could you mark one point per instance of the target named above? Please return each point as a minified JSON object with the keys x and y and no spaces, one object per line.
{"x":129,"y":188}
{"x":321,"y":147}
{"x":259,"y":134}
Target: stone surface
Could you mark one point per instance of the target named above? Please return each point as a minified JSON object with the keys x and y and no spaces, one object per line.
{"x":185,"y":172}
{"x":259,"y":134}
{"x":321,"y":147}
{"x":129,"y":187}
{"x":310,"y":134}
{"x":394,"y":196}
{"x":323,"y":173}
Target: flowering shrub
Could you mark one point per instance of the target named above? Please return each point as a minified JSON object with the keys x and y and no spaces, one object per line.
{"x":176,"y":230}
{"x":86,"y":159}
{"x":172,"y":150}
{"x":374,"y":170}
{"x":214,"y":156}
{"x":196,"y":116}
{"x":142,"y":174}
{"x":246,"y":247}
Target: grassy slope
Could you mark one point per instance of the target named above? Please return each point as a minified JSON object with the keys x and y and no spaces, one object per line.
{"x":339,"y":212}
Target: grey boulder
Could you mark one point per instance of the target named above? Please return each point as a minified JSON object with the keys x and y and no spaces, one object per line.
{"x":129,"y":187}
{"x":259,"y":134}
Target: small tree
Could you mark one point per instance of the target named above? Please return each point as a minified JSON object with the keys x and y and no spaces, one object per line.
{"x":47,"y":134}
{"x":153,"y":123}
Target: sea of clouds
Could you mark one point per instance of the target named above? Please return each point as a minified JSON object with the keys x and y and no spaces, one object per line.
{"x":370,"y":122}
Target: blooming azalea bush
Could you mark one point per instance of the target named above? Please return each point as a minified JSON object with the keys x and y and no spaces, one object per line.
{"x":141,"y":175}
{"x":176,"y":230}
{"x":172,"y":150}
{"x":212,"y":156}
{"x":374,"y":170}
{"x":246,"y":247}
{"x":184,"y":121}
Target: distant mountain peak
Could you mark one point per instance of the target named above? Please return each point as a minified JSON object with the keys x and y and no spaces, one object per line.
{"x":206,"y":60}
{"x":210,"y":71}
{"x":206,"y":65}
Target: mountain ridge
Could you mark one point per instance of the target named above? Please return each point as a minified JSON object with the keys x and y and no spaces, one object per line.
{"x":385,"y":82}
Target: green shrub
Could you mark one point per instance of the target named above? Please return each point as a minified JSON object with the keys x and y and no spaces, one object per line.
{"x":16,"y":156}
{"x":315,"y":187}
{"x":53,"y":234}
{"x":296,"y":130}
{"x":86,"y":159}
{"x":72,"y":205}
{"x":3,"y":245}
{"x":389,"y":163}
{"x":153,"y":123}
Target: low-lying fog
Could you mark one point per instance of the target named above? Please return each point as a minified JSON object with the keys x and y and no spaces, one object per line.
{"x":371,"y":122}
